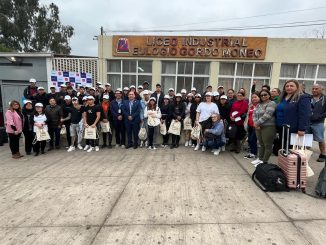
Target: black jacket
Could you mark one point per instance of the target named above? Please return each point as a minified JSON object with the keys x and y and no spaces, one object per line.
{"x":318,"y":110}
{"x":193,"y":112}
{"x":160,"y":101}
{"x":42,"y":99}
{"x":166,"y":111}
{"x":28,"y":119}
{"x":28,"y":95}
{"x":178,"y":110}
{"x":225,"y":111}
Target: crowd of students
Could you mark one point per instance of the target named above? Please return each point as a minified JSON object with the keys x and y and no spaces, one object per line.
{"x":223,"y":117}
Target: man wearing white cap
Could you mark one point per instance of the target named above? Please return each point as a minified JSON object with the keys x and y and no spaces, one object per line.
{"x":184,"y":95}
{"x":53,"y":94}
{"x":171,"y":94}
{"x":105,"y":118}
{"x":92,"y":92}
{"x":108,"y":91}
{"x":76,"y":127}
{"x":125,"y":93}
{"x":66,"y":120}
{"x":62,"y":94}
{"x":158,"y":95}
{"x":194,"y":91}
{"x":220,"y":90}
{"x":31,"y":91}
{"x":117,"y":117}
{"x":28,"y":112}
{"x":53,"y":114}
{"x":41,"y":96}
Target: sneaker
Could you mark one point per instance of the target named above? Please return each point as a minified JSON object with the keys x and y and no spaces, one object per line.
{"x":257,"y":161}
{"x":197,"y":147}
{"x":193,"y":145}
{"x":97,"y":148}
{"x":117,"y":146}
{"x":141,"y":144}
{"x":79,"y":147}
{"x":104,"y":146}
{"x":146,"y":143}
{"x":123,"y":146}
{"x":163,"y":146}
{"x":86,"y":147}
{"x":154,"y":148}
{"x":249,"y":156}
{"x":203,"y":148}
{"x":217,"y":152}
{"x":149,"y":148}
{"x":190,"y":143}
{"x":223,"y":148}
{"x":187,"y":143}
{"x":71,"y":148}
{"x":90,"y":149}
{"x":321,"y":158}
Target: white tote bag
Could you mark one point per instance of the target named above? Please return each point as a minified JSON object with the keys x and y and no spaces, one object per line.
{"x":90,"y":133}
{"x":142,"y":135}
{"x":41,"y":135}
{"x":196,"y":132}
{"x":187,"y":124}
{"x":163,"y":128}
{"x":175,"y":127}
{"x":105,"y":127}
{"x":63,"y":130}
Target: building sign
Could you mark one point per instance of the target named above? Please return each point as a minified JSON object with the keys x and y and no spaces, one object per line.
{"x":75,"y":78}
{"x":190,"y":47}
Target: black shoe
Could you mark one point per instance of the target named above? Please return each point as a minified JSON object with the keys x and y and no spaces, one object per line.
{"x":103,"y":146}
{"x":51,"y":148}
{"x":135,"y":146}
{"x":42,"y":152}
{"x":36,"y":154}
{"x":57,"y":147}
{"x":177,"y":145}
{"x":321,"y":158}
{"x":110,"y":146}
{"x":28,"y":153}
{"x":128,"y":146}
{"x":172,"y":146}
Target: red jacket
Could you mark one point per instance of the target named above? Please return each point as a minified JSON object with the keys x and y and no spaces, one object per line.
{"x":241,"y":106}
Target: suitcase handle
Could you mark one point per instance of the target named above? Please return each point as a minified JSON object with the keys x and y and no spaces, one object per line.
{"x":287,"y":128}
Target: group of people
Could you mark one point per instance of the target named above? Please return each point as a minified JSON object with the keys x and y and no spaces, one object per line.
{"x":208,"y":120}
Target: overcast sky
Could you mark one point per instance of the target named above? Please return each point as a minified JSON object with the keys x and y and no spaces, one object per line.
{"x":87,"y":18}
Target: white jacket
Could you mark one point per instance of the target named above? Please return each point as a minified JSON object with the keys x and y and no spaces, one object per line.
{"x":153,"y":116}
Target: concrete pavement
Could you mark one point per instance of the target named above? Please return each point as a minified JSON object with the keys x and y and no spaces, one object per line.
{"x":178,"y":196}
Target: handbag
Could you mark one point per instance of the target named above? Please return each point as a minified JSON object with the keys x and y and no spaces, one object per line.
{"x":231,"y":131}
{"x":90,"y":133}
{"x":63,"y":130}
{"x":305,"y":152}
{"x":105,"y":127}
{"x":41,"y":135}
{"x":196,"y":132}
{"x":175,"y":127}
{"x":187,"y":124}
{"x":142,"y":135}
{"x":163,"y":128}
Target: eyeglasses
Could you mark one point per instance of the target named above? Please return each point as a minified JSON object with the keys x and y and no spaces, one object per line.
{"x":263,"y":95}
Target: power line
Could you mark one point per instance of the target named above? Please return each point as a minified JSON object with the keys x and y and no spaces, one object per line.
{"x":241,"y":18}
{"x":267,"y":26}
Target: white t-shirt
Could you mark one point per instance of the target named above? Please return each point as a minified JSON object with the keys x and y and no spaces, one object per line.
{"x":206,"y":110}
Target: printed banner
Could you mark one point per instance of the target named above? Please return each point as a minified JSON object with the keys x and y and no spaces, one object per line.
{"x":76,"y":79}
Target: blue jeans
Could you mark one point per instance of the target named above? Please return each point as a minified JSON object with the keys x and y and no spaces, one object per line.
{"x":213,"y":144}
{"x":252,"y":140}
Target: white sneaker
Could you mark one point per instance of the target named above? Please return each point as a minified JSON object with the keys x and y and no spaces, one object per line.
{"x":71,"y":148}
{"x":97,"y":148}
{"x":217,"y":152}
{"x":256,"y":162}
{"x":141,"y":144}
{"x":193,"y":145}
{"x":223,"y":148}
{"x":197,"y":147}
{"x":90,"y":149}
{"x":79,"y":146}
{"x":86,"y":147}
{"x":187,"y":143}
{"x":123,"y":147}
{"x":190,"y":142}
{"x":149,"y":148}
{"x":146,"y":143}
{"x":154,"y":148}
{"x":203,"y":148}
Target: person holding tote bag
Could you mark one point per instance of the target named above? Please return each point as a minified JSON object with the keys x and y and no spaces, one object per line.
{"x":153,"y":114}
{"x":178,"y":114}
{"x":14,"y":127}
{"x":39,"y":121}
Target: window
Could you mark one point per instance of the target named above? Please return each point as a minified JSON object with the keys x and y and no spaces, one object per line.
{"x":307,"y":74}
{"x":124,"y":73}
{"x":185,"y":75}
{"x":242,"y":75}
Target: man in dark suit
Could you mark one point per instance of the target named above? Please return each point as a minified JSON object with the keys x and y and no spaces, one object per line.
{"x":131,"y":110}
{"x":158,"y":95}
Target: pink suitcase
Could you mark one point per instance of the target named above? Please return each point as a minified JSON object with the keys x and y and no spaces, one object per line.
{"x":293,"y":165}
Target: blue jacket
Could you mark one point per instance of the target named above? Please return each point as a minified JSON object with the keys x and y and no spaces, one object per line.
{"x":218,"y":130}
{"x":297,"y":114}
{"x":114,"y":109}
{"x":135,"y":111}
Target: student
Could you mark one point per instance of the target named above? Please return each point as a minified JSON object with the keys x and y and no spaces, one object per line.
{"x":189,"y":102}
{"x":52,"y":94}
{"x":41,"y":96}
{"x":178,"y":113}
{"x":39,"y":121}
{"x":237,"y":116}
{"x":106,"y":117}
{"x":166,"y":111}
{"x":224,"y":108}
{"x":294,"y":109}
{"x":158,"y":95}
{"x":317,"y":126}
{"x":28,"y":112}
{"x":203,"y":116}
{"x":76,"y":125}
{"x":153,"y":115}
{"x":118,"y":120}
{"x":252,"y":138}
{"x":66,"y":117}
{"x":264,"y":123}
{"x":193,"y":114}
{"x":31,"y":91}
{"x":91,"y":117}
{"x":231,"y":97}
{"x":131,"y":111}
{"x":14,"y":127}
{"x":54,"y":115}
{"x":214,"y":137}
{"x":143,"y":104}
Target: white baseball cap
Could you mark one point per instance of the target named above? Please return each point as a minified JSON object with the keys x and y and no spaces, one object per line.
{"x":209,"y":94}
{"x":98,"y":83}
{"x":32,"y":80}
{"x":40,"y":88}
{"x":63,"y":85}
{"x":132,"y":86}
{"x":27,"y":101}
{"x":198,"y":95}
{"x":101,"y":86}
{"x":193,"y":89}
{"x":152,"y":98}
{"x":178,"y":95}
{"x":224,"y":97}
{"x":108,"y":84}
{"x":145,"y":92}
{"x":125,"y":89}
{"x":85,"y":97}
{"x":140,"y":86}
{"x":190,"y":94}
{"x":166,"y":97}
{"x":90,"y":97}
{"x":92,"y":88}
{"x":118,"y":90}
{"x":171,"y":89}
{"x":38,"y":105}
{"x":67,"y":97}
{"x":106,"y":96}
{"x":74,"y":98}
{"x":215,"y":93}
{"x":183,"y":91}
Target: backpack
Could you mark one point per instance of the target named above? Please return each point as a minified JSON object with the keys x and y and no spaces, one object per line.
{"x":270,"y":177}
{"x":321,"y":184}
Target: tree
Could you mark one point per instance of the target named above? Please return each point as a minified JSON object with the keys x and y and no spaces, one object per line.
{"x":27,"y":26}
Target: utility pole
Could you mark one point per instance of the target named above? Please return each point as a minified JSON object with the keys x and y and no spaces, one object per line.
{"x":102,"y":31}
